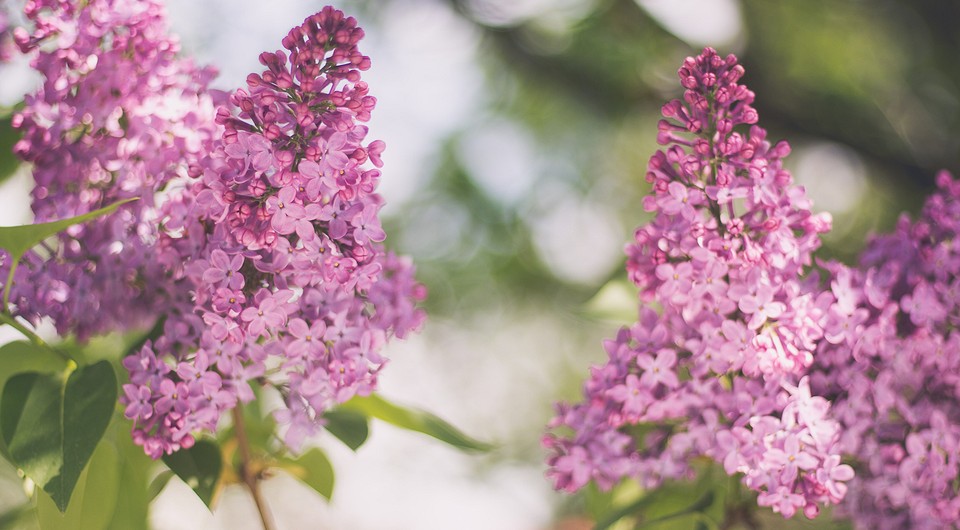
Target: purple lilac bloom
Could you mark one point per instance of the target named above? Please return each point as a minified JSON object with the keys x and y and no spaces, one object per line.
{"x":119,"y":115}
{"x":893,"y":370}
{"x":720,"y":370}
{"x":291,"y":284}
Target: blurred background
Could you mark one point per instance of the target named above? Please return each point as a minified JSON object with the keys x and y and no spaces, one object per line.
{"x":517,"y":135}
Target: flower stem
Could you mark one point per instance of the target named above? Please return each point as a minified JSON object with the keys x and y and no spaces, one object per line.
{"x":250,"y":477}
{"x":6,"y":286}
{"x":7,"y":318}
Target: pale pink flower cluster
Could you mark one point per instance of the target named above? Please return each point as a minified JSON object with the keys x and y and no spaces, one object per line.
{"x":282,"y":248}
{"x":716,"y":364}
{"x":119,"y":115}
{"x":256,"y":236}
{"x":891,"y":367}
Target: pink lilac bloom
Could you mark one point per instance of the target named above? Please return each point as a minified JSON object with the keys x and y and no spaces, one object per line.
{"x":118,"y":115}
{"x":894,"y":378}
{"x":281,"y":247}
{"x":720,"y":369}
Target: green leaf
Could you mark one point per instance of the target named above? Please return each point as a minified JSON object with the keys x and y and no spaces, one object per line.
{"x":96,"y":497}
{"x":623,"y":511}
{"x":158,"y":483}
{"x":112,"y":491}
{"x":313,"y":469}
{"x":420,"y":421}
{"x":8,"y":137}
{"x":21,"y":356}
{"x":18,"y":239}
{"x":133,"y":502}
{"x":701,"y":504}
{"x":52,"y":424}
{"x":200,"y":467}
{"x":666,"y":495}
{"x":599,"y":503}
{"x":350,"y":427}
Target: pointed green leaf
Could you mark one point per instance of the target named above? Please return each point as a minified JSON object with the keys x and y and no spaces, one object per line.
{"x":18,"y":239}
{"x":420,"y":421}
{"x":313,"y":468}
{"x":30,"y":424}
{"x":88,"y":403}
{"x":200,"y":467}
{"x":158,"y":483}
{"x":21,"y":356}
{"x":348,"y":426}
{"x":51,"y":424}
{"x":112,"y":491}
{"x":95,"y":499}
{"x":133,"y":502}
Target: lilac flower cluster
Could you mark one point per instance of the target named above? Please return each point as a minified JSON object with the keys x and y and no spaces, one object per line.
{"x":719,"y":369}
{"x":892,"y":370}
{"x":118,"y":115}
{"x":281,"y":247}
